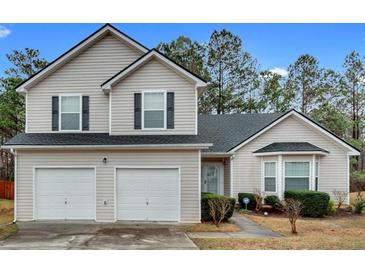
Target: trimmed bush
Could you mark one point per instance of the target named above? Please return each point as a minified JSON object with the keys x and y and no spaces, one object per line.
{"x":205,"y":197}
{"x":252,"y":204}
{"x":331,"y":207}
{"x":315,"y":202}
{"x":273,"y":201}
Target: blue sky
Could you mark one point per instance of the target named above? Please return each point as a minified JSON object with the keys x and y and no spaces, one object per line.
{"x":274,"y":45}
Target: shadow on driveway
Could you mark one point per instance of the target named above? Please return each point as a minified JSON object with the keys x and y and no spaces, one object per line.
{"x":90,"y":235}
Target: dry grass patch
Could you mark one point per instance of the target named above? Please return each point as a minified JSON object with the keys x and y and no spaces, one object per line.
{"x":209,"y":227}
{"x":353,"y":196}
{"x":326,"y":233}
{"x":6,"y":211}
{"x":6,"y":217}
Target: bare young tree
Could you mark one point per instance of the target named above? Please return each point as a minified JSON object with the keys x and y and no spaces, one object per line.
{"x":340,"y":197}
{"x":259,"y":197}
{"x":218,"y":209}
{"x":292,"y":209}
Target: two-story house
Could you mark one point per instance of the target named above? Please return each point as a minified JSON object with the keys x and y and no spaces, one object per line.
{"x":113,"y":133}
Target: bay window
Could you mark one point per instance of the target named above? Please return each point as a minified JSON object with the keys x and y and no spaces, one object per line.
{"x":270,"y":176}
{"x":297,"y":175}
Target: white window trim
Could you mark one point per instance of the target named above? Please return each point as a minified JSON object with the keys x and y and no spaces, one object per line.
{"x":60,"y":113}
{"x":264,"y":176}
{"x":316,"y":176}
{"x":164,"y":109}
{"x":309,"y":175}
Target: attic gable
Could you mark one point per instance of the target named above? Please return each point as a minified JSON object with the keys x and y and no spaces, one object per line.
{"x":77,"y":50}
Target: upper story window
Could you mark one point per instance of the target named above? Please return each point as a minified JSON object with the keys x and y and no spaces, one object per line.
{"x":270,"y":176}
{"x":70,"y":113}
{"x":154,"y":110}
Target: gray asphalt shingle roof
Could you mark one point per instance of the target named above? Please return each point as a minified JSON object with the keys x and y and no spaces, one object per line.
{"x":229,"y":130}
{"x":290,"y":146}
{"x":224,"y":131}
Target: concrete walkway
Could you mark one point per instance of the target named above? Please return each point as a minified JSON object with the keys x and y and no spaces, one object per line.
{"x":249,"y":230}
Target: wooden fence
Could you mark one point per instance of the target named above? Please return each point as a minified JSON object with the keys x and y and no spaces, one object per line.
{"x":7,"y":190}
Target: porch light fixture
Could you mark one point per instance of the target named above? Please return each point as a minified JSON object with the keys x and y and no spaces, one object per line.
{"x":105,"y":160}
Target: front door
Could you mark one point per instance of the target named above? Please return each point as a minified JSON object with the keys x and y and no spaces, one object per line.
{"x":212,"y":178}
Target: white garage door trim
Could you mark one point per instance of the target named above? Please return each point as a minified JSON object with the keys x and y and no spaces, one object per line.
{"x":60,"y":167}
{"x":146,"y":167}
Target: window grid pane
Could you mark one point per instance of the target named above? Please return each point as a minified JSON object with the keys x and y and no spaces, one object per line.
{"x":270,"y":169}
{"x":70,"y":104}
{"x":296,"y":183}
{"x":297,"y":169}
{"x":154,"y":119}
{"x":270,"y":184}
{"x":70,"y":121}
{"x":153,"y":101}
{"x":270,"y":176}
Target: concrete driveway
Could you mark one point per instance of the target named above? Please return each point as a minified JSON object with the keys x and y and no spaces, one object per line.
{"x":51,"y":235}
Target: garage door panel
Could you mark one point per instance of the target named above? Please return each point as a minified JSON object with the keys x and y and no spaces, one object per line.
{"x":147,"y":194}
{"x":65,"y":193}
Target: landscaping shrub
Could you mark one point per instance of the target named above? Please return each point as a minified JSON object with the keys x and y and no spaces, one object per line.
{"x":315,"y":203}
{"x":205,"y":207}
{"x":358,"y":206}
{"x":273,"y":201}
{"x":331,"y":207}
{"x":252,"y":204}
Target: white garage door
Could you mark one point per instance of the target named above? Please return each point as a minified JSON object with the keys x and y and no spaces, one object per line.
{"x":150,"y":194}
{"x":64,"y":194}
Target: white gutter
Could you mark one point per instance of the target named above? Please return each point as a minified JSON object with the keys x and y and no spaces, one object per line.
{"x":216,"y":154}
{"x":151,"y":146}
{"x":291,"y":153}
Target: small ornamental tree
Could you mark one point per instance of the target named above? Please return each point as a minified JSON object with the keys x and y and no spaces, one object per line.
{"x":259,"y":198}
{"x":340,"y":197}
{"x":292,"y":209}
{"x":218,"y":209}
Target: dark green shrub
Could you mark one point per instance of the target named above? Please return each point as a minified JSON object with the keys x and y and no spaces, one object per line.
{"x":315,"y":202}
{"x":273,"y":200}
{"x":205,"y":197}
{"x":331,"y":207}
{"x":252,"y":204}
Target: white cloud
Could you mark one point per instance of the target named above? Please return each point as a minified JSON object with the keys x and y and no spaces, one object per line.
{"x":4,"y":31}
{"x":280,"y":71}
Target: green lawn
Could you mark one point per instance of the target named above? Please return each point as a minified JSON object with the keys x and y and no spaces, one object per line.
{"x":6,"y":217}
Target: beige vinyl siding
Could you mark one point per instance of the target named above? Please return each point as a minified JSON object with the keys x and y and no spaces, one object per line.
{"x":188,"y":161}
{"x":333,"y":167}
{"x":153,"y":76}
{"x":82,"y":75}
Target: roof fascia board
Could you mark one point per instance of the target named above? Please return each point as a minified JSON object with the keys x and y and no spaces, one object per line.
{"x":352,"y":151}
{"x":151,"y":146}
{"x":58,"y":62}
{"x":107,"y":86}
{"x":290,"y":153}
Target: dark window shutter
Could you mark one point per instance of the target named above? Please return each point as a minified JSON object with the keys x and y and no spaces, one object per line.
{"x":137,"y":111}
{"x":55,"y":115}
{"x":170,"y":109}
{"x":85,"y":112}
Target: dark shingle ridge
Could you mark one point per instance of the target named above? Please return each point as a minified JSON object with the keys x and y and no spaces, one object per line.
{"x":290,"y":147}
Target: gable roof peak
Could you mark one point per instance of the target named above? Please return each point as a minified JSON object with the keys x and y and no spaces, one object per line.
{"x":77,"y":49}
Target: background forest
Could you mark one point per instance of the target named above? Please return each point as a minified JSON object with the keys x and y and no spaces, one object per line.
{"x":237,"y":84}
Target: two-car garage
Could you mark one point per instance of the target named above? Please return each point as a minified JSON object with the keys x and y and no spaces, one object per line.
{"x":141,"y":193}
